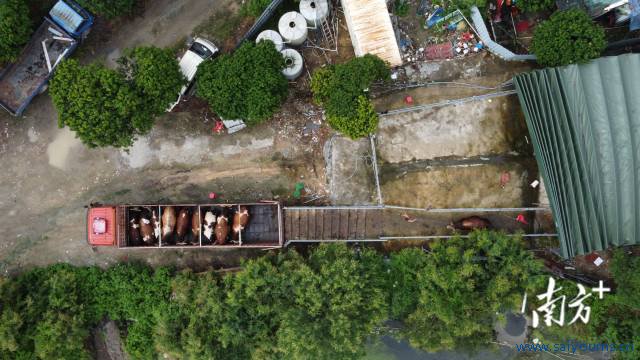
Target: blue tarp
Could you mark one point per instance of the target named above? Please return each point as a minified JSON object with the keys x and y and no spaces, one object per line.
{"x":635,"y":15}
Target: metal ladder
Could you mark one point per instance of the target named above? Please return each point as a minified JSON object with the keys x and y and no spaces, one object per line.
{"x":328,"y":33}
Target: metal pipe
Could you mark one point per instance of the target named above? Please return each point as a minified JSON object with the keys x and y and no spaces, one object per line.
{"x":449,"y":102}
{"x":375,"y":169}
{"x":453,"y":210}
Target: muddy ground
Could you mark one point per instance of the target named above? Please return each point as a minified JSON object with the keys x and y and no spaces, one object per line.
{"x":50,"y":176}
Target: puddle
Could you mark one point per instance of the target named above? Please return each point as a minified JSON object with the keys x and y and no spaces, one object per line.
{"x":59,"y":149}
{"x":32,"y":134}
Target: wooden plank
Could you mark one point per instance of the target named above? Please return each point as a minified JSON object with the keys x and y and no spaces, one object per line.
{"x":304,"y":225}
{"x":287,"y":225}
{"x":335,"y":224}
{"x":353,"y":224}
{"x":319,"y":224}
{"x":343,"y":233}
{"x":360,"y":224}
{"x":295,"y":229}
{"x":327,"y":225}
{"x":311,"y":224}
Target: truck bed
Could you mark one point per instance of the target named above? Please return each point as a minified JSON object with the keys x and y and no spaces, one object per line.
{"x":24,"y":79}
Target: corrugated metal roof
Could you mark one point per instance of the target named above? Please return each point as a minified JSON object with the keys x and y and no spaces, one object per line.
{"x":371,"y":30}
{"x":584,"y":121}
{"x":495,"y":48}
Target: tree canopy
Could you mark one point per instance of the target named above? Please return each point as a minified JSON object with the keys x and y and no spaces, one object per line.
{"x":463,"y":283}
{"x":98,"y":104}
{"x":108,"y":8}
{"x":341,"y":90}
{"x":247,"y":84}
{"x":155,"y":74}
{"x":568,"y":37}
{"x":108,"y":107}
{"x":15,"y":28}
{"x":323,"y":305}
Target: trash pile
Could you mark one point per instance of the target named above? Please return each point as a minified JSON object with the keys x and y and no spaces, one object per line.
{"x":434,"y":32}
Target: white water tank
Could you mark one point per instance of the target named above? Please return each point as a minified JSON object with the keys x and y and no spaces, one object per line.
{"x":273,"y":36}
{"x":314,"y":11}
{"x":293,"y":64}
{"x":293,"y":28}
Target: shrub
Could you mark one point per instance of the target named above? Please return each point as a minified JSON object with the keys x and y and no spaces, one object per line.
{"x":254,"y":7}
{"x":568,"y":37}
{"x":156,"y":75}
{"x":246,"y":85}
{"x":362,"y":124}
{"x":464,"y":283}
{"x":108,"y":8}
{"x":98,"y":104}
{"x":341,"y":90}
{"x":15,"y":28}
{"x":535,"y":5}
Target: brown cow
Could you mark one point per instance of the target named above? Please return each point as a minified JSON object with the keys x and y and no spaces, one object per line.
{"x":222,"y":230}
{"x":240,"y":220}
{"x":168,"y":220}
{"x":146,"y":229}
{"x":134,"y":231}
{"x":195,"y":227}
{"x":184,"y":218}
{"x":155,"y":222}
{"x":470,"y":223}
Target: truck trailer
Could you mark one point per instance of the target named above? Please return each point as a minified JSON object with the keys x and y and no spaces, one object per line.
{"x":185,"y":225}
{"x":54,"y":40}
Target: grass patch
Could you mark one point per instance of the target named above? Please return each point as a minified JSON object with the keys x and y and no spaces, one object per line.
{"x":220,"y":26}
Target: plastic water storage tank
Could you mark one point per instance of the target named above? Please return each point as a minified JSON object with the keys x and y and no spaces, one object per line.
{"x":314,"y":11}
{"x":293,"y":64}
{"x":273,"y":36}
{"x":293,"y":28}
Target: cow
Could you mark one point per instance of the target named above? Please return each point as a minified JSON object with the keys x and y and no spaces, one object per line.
{"x":209,"y":223}
{"x":470,"y":223}
{"x":240,"y":220}
{"x":222,"y":230}
{"x":182,"y":226}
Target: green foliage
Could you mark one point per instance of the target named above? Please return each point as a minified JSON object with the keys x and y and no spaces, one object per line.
{"x":188,"y":325}
{"x":156,"y":75}
{"x":108,"y":8}
{"x":568,"y":37}
{"x":254,"y":7}
{"x":341,"y":89}
{"x":364,"y":123}
{"x":528,"y":6}
{"x":15,"y":28}
{"x":463,"y":284}
{"x":247,"y":84}
{"x":98,"y":104}
{"x":403,"y":287}
{"x":110,"y":108}
{"x":401,"y":8}
{"x":464,"y":5}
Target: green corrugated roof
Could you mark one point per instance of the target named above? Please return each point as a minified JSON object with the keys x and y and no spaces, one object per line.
{"x":584,"y":122}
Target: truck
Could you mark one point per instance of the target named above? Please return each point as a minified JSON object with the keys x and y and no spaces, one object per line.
{"x":123,"y":226}
{"x":66,"y":25}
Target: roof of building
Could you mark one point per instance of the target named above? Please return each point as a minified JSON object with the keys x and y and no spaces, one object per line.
{"x":371,"y":30}
{"x":584,"y":122}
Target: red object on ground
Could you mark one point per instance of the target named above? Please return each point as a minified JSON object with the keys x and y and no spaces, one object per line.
{"x":408,"y":99}
{"x":218,"y":127}
{"x":467,"y":36}
{"x":522,"y":26}
{"x":520,"y":218}
{"x":212,"y":195}
{"x":101,"y":226}
{"x":439,"y":52}
{"x":504,"y":178}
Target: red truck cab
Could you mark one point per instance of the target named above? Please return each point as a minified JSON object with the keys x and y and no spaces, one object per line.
{"x":101,"y":226}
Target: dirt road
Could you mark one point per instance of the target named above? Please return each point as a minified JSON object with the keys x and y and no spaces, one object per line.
{"x":49,"y":176}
